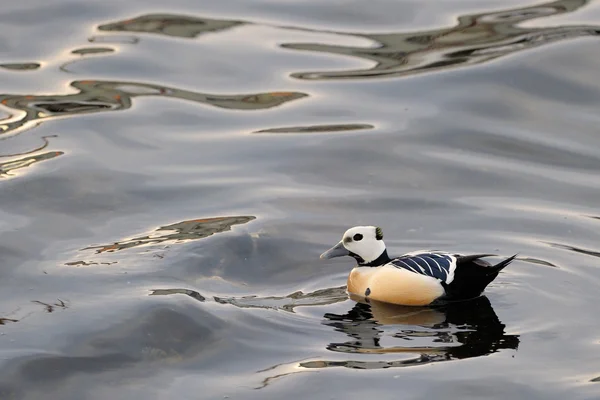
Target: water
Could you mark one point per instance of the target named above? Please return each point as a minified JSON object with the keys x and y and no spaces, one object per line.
{"x":170,"y":173}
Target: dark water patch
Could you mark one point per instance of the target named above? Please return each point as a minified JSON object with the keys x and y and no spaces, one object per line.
{"x":180,"y":232}
{"x":140,"y":345}
{"x":84,"y":51}
{"x":262,"y":260}
{"x":475,"y":39}
{"x":318,"y":128}
{"x":118,"y":39}
{"x":175,"y":25}
{"x":82,"y":263}
{"x":166,"y":292}
{"x":21,"y":66}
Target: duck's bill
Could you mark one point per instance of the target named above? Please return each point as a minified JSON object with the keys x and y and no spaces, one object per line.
{"x":336,"y":251}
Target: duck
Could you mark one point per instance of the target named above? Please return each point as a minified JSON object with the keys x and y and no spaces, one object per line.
{"x":418,"y":278}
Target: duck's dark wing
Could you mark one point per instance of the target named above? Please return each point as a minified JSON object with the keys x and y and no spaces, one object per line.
{"x":437,"y":265}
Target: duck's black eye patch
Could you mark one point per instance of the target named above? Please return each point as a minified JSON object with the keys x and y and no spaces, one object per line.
{"x":357,"y":237}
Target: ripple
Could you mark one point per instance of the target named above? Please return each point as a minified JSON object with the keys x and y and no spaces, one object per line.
{"x":42,"y":147}
{"x":575,"y":249}
{"x":537,"y":261}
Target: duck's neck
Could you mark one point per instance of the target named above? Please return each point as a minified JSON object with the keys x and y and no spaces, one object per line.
{"x":381,"y":260}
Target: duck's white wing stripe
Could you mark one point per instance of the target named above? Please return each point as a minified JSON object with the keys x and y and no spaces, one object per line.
{"x":451,"y":269}
{"x":412,"y":260}
{"x":402,"y":264}
{"x":428,"y":265}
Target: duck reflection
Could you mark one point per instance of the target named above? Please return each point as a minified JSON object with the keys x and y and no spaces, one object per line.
{"x":437,"y":333}
{"x":452,"y":331}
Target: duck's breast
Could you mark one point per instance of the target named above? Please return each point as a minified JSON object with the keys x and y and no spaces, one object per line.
{"x":394,"y":285}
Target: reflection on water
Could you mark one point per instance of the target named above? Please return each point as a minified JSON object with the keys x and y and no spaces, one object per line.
{"x":453,"y":331}
{"x":23,"y":162}
{"x":435,"y":334}
{"x":97,"y":334}
{"x":42,"y":147}
{"x":52,"y":307}
{"x":464,"y":330}
{"x":318,"y":128}
{"x":192,"y":293}
{"x":180,"y":232}
{"x":169,"y":24}
{"x":24,"y":312}
{"x":20,"y":66}
{"x":114,"y":39}
{"x":92,"y":50}
{"x":476,"y":38}
{"x":95,"y":96}
{"x":285,"y":303}
{"x":448,"y":332}
{"x":289,"y":302}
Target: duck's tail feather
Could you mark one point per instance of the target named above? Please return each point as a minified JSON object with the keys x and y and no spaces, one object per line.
{"x":472,"y":275}
{"x":502,"y":264}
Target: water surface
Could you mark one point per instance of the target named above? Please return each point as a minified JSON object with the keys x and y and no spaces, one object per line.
{"x":169,"y":176}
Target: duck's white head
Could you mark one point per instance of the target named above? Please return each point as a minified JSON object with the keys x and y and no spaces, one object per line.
{"x":364,"y":243}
